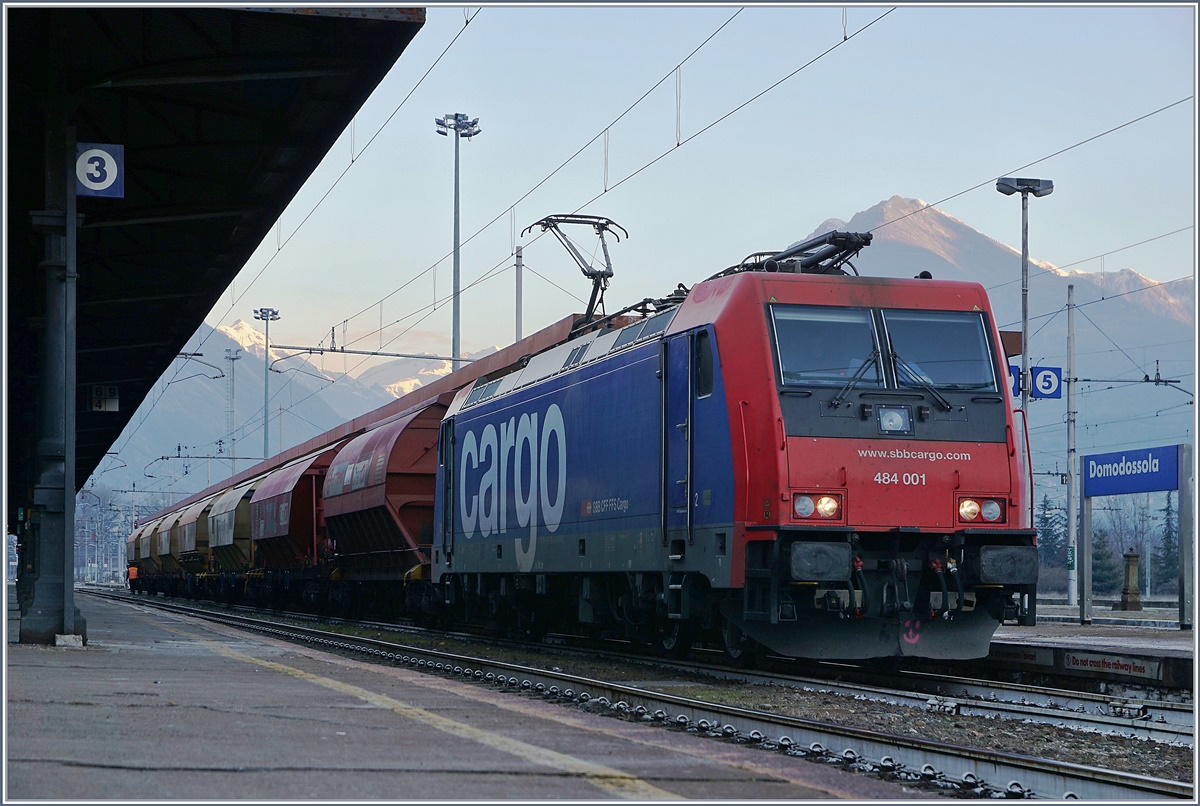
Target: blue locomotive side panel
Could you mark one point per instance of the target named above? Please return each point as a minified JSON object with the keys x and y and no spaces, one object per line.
{"x":559,"y":475}
{"x":567,"y":475}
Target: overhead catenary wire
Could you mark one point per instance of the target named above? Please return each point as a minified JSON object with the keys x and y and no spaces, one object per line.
{"x":602,"y":134}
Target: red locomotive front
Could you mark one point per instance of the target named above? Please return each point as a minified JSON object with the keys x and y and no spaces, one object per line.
{"x":880,"y":491}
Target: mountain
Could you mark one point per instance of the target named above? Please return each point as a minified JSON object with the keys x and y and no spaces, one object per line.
{"x":1125,"y":324}
{"x":401,"y":375}
{"x":179,"y":440}
{"x":915,"y":236}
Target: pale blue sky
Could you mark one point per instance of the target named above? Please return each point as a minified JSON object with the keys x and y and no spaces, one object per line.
{"x":918,"y":101}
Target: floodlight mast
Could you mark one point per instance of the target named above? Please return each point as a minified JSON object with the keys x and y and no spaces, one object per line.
{"x":458,"y":123}
{"x":1009,"y":185}
{"x":267,"y":315}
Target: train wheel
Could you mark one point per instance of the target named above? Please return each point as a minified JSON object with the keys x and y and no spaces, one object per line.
{"x":673,"y":638}
{"x":739,"y":648}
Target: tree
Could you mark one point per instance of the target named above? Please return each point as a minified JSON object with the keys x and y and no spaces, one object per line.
{"x":1165,"y":565}
{"x":1108,"y":569}
{"x":1052,"y":537}
{"x":1131,"y":525}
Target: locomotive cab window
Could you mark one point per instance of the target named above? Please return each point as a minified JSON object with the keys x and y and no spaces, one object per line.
{"x":945,"y":349}
{"x":825,"y":346}
{"x":704,"y":365}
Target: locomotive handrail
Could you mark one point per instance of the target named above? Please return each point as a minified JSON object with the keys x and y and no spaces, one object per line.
{"x":1028,"y":464}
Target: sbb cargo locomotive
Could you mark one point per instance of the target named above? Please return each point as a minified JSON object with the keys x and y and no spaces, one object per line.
{"x":785,"y":456}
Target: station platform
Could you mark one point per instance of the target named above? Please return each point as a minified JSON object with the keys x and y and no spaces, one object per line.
{"x":1117,"y":648}
{"x":158,"y":707}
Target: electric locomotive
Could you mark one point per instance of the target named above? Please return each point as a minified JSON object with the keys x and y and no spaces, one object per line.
{"x":785,"y":456}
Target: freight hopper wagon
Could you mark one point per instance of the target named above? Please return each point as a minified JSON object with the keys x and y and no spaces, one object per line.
{"x":794,"y":457}
{"x":292,"y":551}
{"x":378,"y":511}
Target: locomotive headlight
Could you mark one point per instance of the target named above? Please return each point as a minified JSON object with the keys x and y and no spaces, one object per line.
{"x":827,"y":506}
{"x":968,"y":509}
{"x":803,"y":506}
{"x":990,"y":511}
{"x":821,"y":506}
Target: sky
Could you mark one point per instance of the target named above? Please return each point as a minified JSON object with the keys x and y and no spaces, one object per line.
{"x":709,"y":132}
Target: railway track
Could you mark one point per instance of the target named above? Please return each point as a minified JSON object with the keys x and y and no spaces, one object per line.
{"x":1154,"y":720}
{"x":1144,"y":719}
{"x":964,"y":771}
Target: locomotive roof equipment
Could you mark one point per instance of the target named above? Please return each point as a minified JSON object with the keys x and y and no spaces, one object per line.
{"x":599,"y":277}
{"x":824,"y":254}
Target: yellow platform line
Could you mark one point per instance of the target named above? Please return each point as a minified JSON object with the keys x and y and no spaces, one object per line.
{"x":606,"y":778}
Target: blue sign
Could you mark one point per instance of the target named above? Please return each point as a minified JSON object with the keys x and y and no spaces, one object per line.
{"x":100,"y":170}
{"x":1141,"y":470}
{"x":1047,"y":382}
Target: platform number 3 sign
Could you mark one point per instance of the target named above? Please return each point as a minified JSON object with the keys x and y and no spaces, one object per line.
{"x":100,"y":170}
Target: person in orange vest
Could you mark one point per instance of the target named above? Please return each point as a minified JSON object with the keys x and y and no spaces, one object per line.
{"x":131,"y":575}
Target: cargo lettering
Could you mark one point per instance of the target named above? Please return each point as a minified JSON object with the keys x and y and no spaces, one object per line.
{"x":519,"y":458}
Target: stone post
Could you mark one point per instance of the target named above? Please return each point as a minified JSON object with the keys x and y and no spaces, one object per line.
{"x":1130,"y":600}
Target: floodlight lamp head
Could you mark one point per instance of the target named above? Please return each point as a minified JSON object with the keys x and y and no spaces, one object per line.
{"x":1009,"y":185}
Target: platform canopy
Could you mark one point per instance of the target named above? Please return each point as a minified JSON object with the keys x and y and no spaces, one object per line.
{"x":222,"y":114}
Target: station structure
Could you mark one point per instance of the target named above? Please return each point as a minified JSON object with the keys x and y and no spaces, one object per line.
{"x":149,"y":151}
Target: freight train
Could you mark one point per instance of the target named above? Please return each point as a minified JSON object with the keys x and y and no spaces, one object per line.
{"x":786,"y":457}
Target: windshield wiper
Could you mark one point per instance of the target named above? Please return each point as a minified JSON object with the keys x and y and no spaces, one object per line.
{"x":872,"y":359}
{"x":914,"y":378}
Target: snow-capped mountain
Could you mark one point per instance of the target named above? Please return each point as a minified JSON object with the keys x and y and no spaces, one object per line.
{"x":402,"y":375}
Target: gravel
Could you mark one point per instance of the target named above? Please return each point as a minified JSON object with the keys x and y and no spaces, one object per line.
{"x":1113,"y":751}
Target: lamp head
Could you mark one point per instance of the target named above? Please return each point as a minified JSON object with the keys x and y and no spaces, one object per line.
{"x":1009,"y":185}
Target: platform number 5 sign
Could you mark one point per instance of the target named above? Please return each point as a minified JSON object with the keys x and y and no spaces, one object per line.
{"x":100,"y":170}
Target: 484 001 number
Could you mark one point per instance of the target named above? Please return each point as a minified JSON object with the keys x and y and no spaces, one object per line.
{"x":911,"y":479}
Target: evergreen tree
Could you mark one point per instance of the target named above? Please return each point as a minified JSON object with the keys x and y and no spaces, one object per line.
{"x":1108,"y":569}
{"x":1165,"y":560}
{"x":1052,"y":537}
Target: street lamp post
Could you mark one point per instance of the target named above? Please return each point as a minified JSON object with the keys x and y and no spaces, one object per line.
{"x":1038,"y":187}
{"x":267,"y":315}
{"x":461,"y":127}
